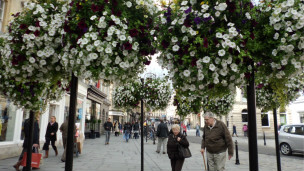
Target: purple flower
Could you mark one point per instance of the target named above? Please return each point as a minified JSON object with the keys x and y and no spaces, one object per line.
{"x":188,"y":10}
{"x":83,"y":26}
{"x":207,"y":19}
{"x":197,"y":20}
{"x":260,"y":86}
{"x":127,"y":46}
{"x":168,"y":13}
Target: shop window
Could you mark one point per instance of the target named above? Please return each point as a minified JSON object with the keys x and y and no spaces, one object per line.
{"x":265,"y":119}
{"x":244,"y":115}
{"x":7,"y":119}
{"x":283,"y":119}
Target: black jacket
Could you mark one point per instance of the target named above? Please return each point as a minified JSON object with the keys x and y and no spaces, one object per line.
{"x":128,"y":128}
{"x":108,"y":126}
{"x":52,"y":129}
{"x":136,"y":127}
{"x":162,"y":130}
{"x":172,"y":146}
{"x":26,"y":130}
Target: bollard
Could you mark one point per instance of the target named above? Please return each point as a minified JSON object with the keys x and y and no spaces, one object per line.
{"x":237,"y":161}
{"x":264,"y":138}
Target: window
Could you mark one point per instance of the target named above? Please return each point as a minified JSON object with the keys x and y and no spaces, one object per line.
{"x":264,"y":119}
{"x":301,"y":117}
{"x":2,"y":5}
{"x":283,"y":119}
{"x":244,"y":115}
{"x":298,"y":130}
{"x":286,"y":129}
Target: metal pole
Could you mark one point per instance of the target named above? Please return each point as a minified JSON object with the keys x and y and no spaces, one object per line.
{"x":71,"y":124}
{"x":142,"y":129}
{"x":264,"y":138}
{"x":147,"y":130}
{"x":237,"y":161}
{"x":275,"y":120}
{"x":30,"y":143}
{"x":252,"y":127}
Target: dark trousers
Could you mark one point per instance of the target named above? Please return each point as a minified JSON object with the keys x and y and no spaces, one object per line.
{"x":185,"y":133}
{"x":177,"y":164}
{"x":47,"y":143}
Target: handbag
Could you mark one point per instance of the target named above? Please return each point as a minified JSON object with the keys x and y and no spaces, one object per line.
{"x":184,"y":152}
{"x":36,"y":157}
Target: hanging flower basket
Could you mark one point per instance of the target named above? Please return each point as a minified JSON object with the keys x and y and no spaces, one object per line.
{"x":219,"y":106}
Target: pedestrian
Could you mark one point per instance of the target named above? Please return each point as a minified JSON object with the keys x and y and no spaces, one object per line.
{"x":245,"y":129}
{"x":26,"y":131}
{"x":184,"y":127}
{"x":64,"y":130}
{"x":175,"y":139}
{"x":198,"y":134}
{"x":162,"y":134}
{"x":116,"y":128}
{"x":136,"y":130}
{"x":127,"y":131}
{"x":108,"y":126}
{"x":234,"y":130}
{"x":51,"y":136}
{"x":216,"y":140}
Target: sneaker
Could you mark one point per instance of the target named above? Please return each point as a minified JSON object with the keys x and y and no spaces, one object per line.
{"x":164,"y":152}
{"x":157,"y":151}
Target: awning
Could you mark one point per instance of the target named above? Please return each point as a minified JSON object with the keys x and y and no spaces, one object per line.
{"x":96,"y":95}
{"x":116,"y":113}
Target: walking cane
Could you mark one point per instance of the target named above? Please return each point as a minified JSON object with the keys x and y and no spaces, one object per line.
{"x":204,"y":161}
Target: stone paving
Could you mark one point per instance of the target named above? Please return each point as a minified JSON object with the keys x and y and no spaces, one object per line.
{"x":122,"y":156}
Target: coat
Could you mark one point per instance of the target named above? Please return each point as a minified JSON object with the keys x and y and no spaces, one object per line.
{"x":172,"y":146}
{"x":162,"y":130}
{"x":64,"y":129}
{"x":127,"y":128}
{"x":52,"y":129}
{"x":116,"y":127}
{"x":26,"y":131}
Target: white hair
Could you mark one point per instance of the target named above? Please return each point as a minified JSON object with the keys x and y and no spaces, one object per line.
{"x":209,"y":115}
{"x":175,"y":126}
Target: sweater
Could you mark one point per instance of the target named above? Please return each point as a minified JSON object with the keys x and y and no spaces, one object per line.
{"x":217,"y":139}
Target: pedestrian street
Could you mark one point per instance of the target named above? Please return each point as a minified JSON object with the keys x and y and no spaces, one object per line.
{"x":120,"y":155}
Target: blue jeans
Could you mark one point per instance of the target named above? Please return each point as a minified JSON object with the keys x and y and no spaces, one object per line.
{"x":108,"y":133}
{"x":198,"y":133}
{"x":127,"y":135}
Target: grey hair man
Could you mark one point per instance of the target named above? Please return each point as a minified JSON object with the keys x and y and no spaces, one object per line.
{"x":216,"y":140}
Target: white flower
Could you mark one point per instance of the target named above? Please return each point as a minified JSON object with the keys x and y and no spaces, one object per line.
{"x":32,"y":60}
{"x":290,"y":3}
{"x":248,"y":16}
{"x":217,"y":13}
{"x":108,"y":50}
{"x":283,"y":40}
{"x":219,"y":35}
{"x":277,"y":26}
{"x":152,"y":32}
{"x":221,"y":7}
{"x":184,"y":29}
{"x":93,"y":17}
{"x":216,"y":80}
{"x":174,"y":39}
{"x":181,"y":21}
{"x":192,"y":53}
{"x":206,"y":15}
{"x":284,"y":62}
{"x":93,"y":56}
{"x":221,"y":52}
{"x":297,"y":65}
{"x":129,"y":4}
{"x":212,"y":67}
{"x":192,"y":32}
{"x":97,"y":43}
{"x":187,"y":73}
{"x":122,"y":37}
{"x":206,"y":59}
{"x":89,"y":48}
{"x":185,"y":39}
{"x":42,"y":62}
{"x":100,"y":49}
{"x":234,"y":67}
{"x":175,"y":48}
{"x":184,"y":2}
{"x":276,"y":36}
{"x":274,"y":52}
{"x":205,"y":6}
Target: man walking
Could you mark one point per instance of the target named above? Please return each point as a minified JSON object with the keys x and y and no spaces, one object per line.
{"x":197,"y":130}
{"x":216,"y":140}
{"x":234,"y":130}
{"x":162,"y":134}
{"x":108,"y":126}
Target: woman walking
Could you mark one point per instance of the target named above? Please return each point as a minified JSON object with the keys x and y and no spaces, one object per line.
{"x":175,"y":139}
{"x":51,"y":136}
{"x":116,"y":128}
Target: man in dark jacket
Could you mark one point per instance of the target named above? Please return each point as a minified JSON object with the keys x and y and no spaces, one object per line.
{"x":108,"y":126}
{"x":136,"y":129}
{"x":216,"y":140}
{"x":162,"y":134}
{"x":51,"y":136}
{"x":26,"y":130}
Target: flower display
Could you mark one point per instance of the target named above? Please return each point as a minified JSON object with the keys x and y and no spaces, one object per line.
{"x":109,"y":39}
{"x":219,"y":106}
{"x":34,"y":42}
{"x":157,"y":94}
{"x":32,"y":95}
{"x":185,"y":105}
{"x":127,"y":96}
{"x":267,"y":99}
{"x":200,"y":43}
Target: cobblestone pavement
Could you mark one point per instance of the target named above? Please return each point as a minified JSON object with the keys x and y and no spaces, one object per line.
{"x":122,"y":156}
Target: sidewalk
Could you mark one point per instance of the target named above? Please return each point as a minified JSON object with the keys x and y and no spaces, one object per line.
{"x":122,"y":156}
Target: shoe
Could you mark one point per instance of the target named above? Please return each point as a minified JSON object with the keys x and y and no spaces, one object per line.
{"x":164,"y":152}
{"x":46,"y":154}
{"x":62,"y":160}
{"x":56,"y":152}
{"x":17,"y":165}
{"x":107,"y":143}
{"x":157,"y":151}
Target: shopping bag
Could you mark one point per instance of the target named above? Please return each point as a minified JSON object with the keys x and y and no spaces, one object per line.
{"x":36,"y":157}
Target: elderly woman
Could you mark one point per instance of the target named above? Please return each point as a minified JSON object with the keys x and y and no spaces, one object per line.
{"x":175,"y":139}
